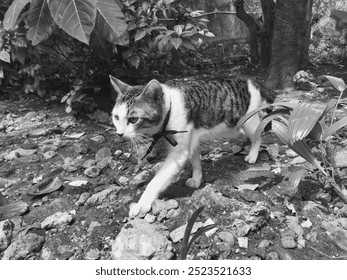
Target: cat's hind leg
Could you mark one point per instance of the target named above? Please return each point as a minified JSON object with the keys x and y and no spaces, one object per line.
{"x":249,"y":128}
{"x":195,"y":161}
{"x":194,"y":158}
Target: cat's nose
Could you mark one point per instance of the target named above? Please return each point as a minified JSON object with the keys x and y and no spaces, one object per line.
{"x":120,"y":134}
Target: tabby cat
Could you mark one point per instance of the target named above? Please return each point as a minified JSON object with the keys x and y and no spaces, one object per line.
{"x":192,"y":110}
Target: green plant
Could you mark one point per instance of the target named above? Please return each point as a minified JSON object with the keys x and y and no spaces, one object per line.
{"x":188,"y":241}
{"x":306,"y":126}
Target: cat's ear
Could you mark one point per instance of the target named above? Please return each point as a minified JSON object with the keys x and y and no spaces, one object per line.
{"x":119,"y":86}
{"x":154,"y":91}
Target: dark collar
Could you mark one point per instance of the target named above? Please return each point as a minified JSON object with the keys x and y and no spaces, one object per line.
{"x":167,"y":134}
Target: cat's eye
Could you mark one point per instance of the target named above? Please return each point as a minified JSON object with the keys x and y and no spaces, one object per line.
{"x":116,"y":117}
{"x":133,"y":120}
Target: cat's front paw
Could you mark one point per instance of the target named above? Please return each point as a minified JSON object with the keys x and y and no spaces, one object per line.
{"x":251,"y":158}
{"x":192,"y":183}
{"x":139,"y":210}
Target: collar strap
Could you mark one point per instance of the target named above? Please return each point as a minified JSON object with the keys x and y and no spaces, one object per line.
{"x":167,"y":134}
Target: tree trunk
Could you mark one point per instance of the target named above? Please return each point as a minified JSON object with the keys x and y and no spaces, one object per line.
{"x":253,"y":30}
{"x":290,"y":43}
{"x":266,"y":32}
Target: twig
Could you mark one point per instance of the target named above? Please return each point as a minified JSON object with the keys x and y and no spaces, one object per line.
{"x":323,"y":254}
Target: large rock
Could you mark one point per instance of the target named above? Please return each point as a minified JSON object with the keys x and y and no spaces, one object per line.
{"x":140,"y":240}
{"x":24,"y":247}
{"x":6,"y":229}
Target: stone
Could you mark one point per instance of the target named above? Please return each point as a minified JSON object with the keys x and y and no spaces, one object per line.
{"x":48,"y":148}
{"x":293,"y":224}
{"x":98,"y":138}
{"x":272,"y":256}
{"x":178,"y":234}
{"x":140,"y":240}
{"x":30,"y":115}
{"x":92,"y":171}
{"x":49,"y":154}
{"x":290,"y":153}
{"x":38,"y":132}
{"x":71,"y":165}
{"x":240,"y":228}
{"x":103,"y":153}
{"x":160,"y":205}
{"x":227,"y":237}
{"x":341,"y":158}
{"x":243,"y":242}
{"x":83,"y":198}
{"x":56,"y":220}
{"x":336,"y":233}
{"x":288,"y":239}
{"x":92,"y":225}
{"x":24,"y":247}
{"x":150,"y":218}
{"x":6,"y":230}
{"x":12,"y":210}
{"x":123,"y":180}
{"x":88,"y":163}
{"x":99,"y":197}
{"x":93,"y":254}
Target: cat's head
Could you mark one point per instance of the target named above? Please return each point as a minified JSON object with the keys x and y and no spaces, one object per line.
{"x":138,"y":109}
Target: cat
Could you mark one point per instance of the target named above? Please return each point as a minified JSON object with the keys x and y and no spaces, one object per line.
{"x":191,"y":109}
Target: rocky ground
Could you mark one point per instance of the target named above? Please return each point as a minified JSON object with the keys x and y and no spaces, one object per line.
{"x":66,"y":185}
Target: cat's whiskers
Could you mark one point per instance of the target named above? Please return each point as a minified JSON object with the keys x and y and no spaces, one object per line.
{"x":140,"y":144}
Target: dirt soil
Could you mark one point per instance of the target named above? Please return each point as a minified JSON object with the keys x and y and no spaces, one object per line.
{"x":39,"y":142}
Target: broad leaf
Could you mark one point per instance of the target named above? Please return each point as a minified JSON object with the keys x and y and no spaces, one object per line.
{"x":5,"y":56}
{"x":13,"y":12}
{"x":338,"y":83}
{"x":100,"y":46}
{"x":289,"y":106}
{"x":300,"y":146}
{"x":140,"y":34}
{"x":303,"y":118}
{"x":176,"y":42}
{"x":110,"y":22}
{"x":40,"y":22}
{"x":75,"y":17}
{"x":295,"y":178}
{"x":335,"y":127}
{"x":273,"y":115}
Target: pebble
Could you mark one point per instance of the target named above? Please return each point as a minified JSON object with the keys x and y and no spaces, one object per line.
{"x":341,"y":158}
{"x":290,"y":153}
{"x":93,"y":254}
{"x":12,"y":210}
{"x":140,"y":240}
{"x":38,"y":132}
{"x":99,"y":197}
{"x":240,"y":227}
{"x":160,"y":205}
{"x":24,"y":247}
{"x":92,"y":225}
{"x":98,"y":138}
{"x":30,"y":115}
{"x":56,"y":220}
{"x":123,"y":180}
{"x":6,"y":230}
{"x":272,"y":256}
{"x":48,"y":147}
{"x":264,"y":243}
{"x":83,"y":198}
{"x":104,"y":152}
{"x":227,"y":237}
{"x":150,"y":218}
{"x":92,"y":172}
{"x":288,"y":239}
{"x":49,"y":154}
{"x":88,"y":163}
{"x":71,"y":165}
{"x":243,"y":242}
